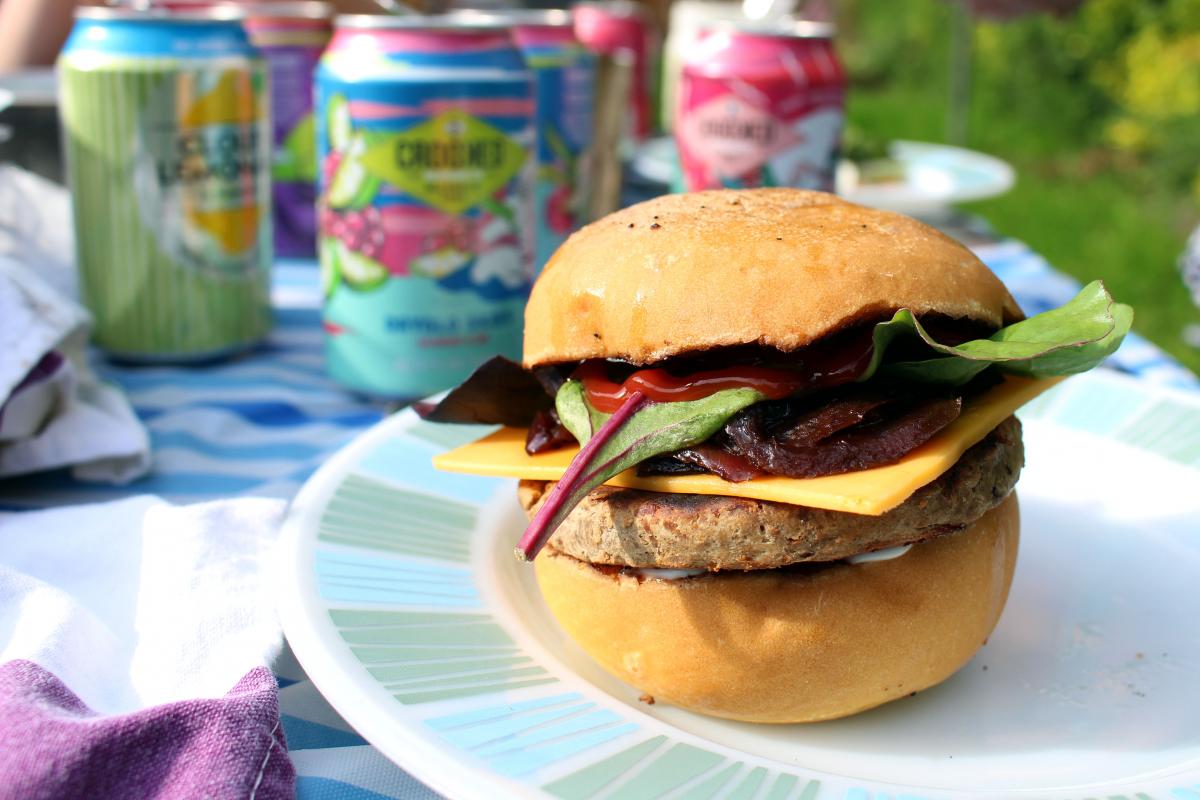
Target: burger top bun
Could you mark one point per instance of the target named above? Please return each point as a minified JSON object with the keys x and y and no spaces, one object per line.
{"x":776,"y":267}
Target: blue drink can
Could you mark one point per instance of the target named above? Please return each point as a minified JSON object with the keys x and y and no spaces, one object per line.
{"x":425,"y":139}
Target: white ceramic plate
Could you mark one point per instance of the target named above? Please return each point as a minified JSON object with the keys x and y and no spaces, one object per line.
{"x":402,"y":600}
{"x":935,"y":176}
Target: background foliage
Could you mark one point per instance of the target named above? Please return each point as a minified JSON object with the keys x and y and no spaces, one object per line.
{"x":1098,"y":110}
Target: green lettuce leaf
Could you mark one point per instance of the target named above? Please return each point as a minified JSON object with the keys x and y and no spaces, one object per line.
{"x":576,"y":413}
{"x":637,"y":431}
{"x":1063,"y":341}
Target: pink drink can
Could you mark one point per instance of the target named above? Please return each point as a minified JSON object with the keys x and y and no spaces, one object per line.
{"x":761,"y":105}
{"x":624,"y":28}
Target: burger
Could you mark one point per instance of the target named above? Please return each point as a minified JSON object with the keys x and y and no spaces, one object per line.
{"x":765,"y":440}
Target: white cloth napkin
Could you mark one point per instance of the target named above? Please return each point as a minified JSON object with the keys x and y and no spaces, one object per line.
{"x":67,"y":417}
{"x":137,"y":602}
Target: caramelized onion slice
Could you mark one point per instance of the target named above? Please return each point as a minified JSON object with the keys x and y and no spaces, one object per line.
{"x":730,"y":466}
{"x":816,"y":425}
{"x":857,"y":448}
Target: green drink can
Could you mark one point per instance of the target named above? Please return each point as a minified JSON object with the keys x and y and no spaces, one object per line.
{"x":167,"y":141}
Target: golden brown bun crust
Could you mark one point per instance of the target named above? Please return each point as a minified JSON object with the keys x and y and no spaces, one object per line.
{"x":784,"y":646}
{"x":777,"y":267}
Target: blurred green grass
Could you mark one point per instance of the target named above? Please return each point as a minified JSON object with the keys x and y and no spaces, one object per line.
{"x":1090,"y":209}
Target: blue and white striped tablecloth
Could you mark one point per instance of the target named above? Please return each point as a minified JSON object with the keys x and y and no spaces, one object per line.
{"x":261,"y":424}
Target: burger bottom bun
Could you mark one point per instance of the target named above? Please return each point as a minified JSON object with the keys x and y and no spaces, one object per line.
{"x":793,"y":645}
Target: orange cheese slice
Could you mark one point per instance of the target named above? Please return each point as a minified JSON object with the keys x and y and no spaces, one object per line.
{"x":871,"y":491}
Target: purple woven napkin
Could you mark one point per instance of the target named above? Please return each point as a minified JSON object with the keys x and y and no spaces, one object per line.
{"x":53,"y":746}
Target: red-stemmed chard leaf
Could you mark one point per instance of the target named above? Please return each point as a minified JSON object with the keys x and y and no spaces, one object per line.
{"x":575,"y":482}
{"x":638,"y":430}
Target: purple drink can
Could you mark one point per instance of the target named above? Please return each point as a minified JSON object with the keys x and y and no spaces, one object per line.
{"x":426,"y":143}
{"x":291,"y":37}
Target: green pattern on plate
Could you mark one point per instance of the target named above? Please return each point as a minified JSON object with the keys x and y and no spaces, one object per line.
{"x":782,"y":787}
{"x":671,"y":770}
{"x":709,"y":787}
{"x":423,"y":657}
{"x":747,"y":789}
{"x":402,"y":672}
{"x":1038,"y":406}
{"x":594,"y":777}
{"x":1169,"y":429}
{"x":358,"y":618}
{"x":1093,"y":411}
{"x":371,"y":514}
{"x":370,"y":654}
{"x":447,"y":437}
{"x":659,"y":771}
{"x":1123,"y":410}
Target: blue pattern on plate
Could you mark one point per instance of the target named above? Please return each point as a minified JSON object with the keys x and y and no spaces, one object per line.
{"x":411,"y":456}
{"x":522,"y":737}
{"x":349,"y":578}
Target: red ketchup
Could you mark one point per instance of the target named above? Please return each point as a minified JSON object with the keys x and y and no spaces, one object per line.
{"x":661,"y":386}
{"x":827,"y":365}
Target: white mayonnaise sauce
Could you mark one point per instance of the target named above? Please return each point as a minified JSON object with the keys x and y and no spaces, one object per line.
{"x":668,"y":574}
{"x":887,"y":554}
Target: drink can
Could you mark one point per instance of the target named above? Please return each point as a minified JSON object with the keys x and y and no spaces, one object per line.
{"x":564,"y":77}
{"x":291,"y":37}
{"x":761,"y":105}
{"x":425,"y":133}
{"x":624,"y":28}
{"x":166,"y":137}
